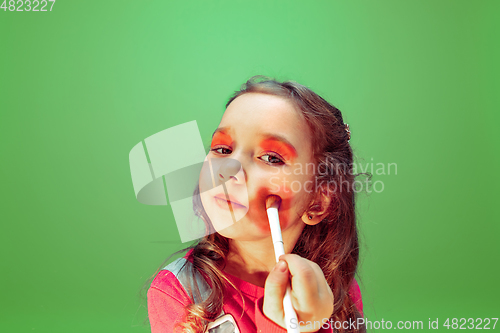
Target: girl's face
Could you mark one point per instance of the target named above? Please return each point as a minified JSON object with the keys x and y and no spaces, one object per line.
{"x":261,"y":147}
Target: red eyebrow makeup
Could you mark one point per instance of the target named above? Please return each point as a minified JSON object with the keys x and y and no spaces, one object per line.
{"x":221,"y":137}
{"x":286,"y":150}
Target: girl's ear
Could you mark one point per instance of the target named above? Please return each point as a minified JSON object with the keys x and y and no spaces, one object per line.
{"x":319,"y":208}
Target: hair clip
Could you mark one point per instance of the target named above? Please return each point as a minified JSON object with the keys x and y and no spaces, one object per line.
{"x":348,"y":131}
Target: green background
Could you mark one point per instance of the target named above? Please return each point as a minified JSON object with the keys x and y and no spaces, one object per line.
{"x":79,"y":86}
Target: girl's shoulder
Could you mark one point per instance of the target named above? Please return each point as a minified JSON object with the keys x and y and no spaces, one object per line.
{"x":355,"y":293}
{"x":168,"y":297}
{"x":178,"y":278}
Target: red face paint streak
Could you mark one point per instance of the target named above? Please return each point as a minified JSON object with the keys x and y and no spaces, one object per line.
{"x":280,"y":147}
{"x":257,"y":210}
{"x":221,"y":138}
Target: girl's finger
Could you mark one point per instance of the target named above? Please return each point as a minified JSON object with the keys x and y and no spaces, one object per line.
{"x":310,"y":290}
{"x":274,"y":290}
{"x":307,"y":281}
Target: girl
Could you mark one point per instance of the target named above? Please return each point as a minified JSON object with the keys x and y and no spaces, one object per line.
{"x":274,"y":139}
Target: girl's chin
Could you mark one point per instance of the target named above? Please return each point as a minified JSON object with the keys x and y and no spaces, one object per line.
{"x":244,"y":229}
{"x":244,"y":235}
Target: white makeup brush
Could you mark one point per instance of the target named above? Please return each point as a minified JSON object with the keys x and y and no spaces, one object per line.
{"x":272,"y":205}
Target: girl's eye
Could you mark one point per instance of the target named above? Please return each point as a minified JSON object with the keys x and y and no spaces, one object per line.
{"x":272,"y":159}
{"x":222,"y":150}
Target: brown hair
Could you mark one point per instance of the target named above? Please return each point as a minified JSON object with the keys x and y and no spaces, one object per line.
{"x":332,"y":243}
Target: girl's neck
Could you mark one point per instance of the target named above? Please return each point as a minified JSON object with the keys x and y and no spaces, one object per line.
{"x":251,"y":261}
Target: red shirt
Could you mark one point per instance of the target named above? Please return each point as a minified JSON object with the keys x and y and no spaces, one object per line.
{"x":167,"y":299}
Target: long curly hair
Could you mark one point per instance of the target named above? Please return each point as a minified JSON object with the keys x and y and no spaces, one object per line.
{"x":332,"y":243}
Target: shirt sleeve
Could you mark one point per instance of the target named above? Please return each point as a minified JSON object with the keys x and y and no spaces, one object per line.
{"x":166,"y":302}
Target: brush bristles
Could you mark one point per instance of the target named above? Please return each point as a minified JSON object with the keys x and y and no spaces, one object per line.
{"x":273,"y":201}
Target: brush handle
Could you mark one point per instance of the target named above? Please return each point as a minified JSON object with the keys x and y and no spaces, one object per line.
{"x":291,"y":321}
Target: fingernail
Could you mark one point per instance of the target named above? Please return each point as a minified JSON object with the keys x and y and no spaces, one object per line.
{"x":281,"y":266}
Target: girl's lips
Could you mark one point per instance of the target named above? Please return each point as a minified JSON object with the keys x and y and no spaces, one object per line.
{"x":223,"y":202}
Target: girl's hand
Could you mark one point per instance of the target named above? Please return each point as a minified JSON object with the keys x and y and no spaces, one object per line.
{"x":311,"y":295}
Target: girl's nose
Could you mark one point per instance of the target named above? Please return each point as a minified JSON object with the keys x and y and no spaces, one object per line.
{"x":230,"y":169}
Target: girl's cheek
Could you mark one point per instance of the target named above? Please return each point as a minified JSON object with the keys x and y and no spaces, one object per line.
{"x":287,"y":195}
{"x":258,"y":205}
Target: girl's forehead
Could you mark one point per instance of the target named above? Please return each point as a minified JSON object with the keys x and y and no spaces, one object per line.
{"x":263,"y":111}
{"x":257,"y":116}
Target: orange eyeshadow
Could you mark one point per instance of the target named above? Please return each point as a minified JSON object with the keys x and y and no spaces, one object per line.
{"x":280,"y":147}
{"x":221,"y":138}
